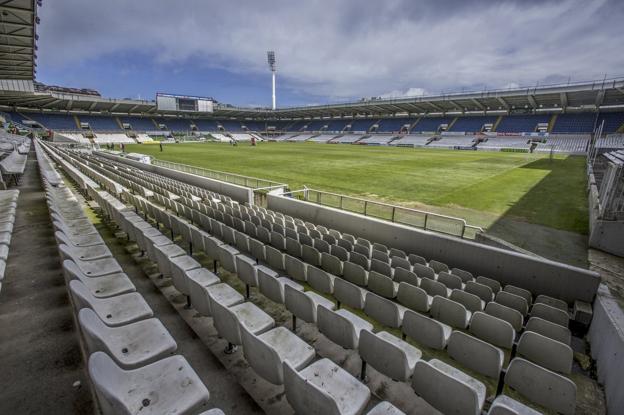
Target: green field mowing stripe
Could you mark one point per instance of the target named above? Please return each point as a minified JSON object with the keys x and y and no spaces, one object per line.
{"x":528,"y":187}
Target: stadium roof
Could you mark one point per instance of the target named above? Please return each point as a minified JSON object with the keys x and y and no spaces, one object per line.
{"x":18,"y":39}
{"x":587,"y":96}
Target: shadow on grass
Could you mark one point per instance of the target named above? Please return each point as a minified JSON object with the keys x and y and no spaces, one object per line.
{"x":551,"y":219}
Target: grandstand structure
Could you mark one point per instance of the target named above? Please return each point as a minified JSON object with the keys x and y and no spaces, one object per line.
{"x":128,"y":286}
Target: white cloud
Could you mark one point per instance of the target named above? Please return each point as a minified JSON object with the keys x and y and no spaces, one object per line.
{"x":350,"y":48}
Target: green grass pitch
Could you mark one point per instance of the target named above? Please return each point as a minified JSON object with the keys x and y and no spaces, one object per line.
{"x":477,"y":185}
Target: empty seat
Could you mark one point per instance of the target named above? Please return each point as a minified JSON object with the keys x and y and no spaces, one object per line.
{"x":275,"y":258}
{"x":381,"y":267}
{"x":484,"y":292}
{"x":339,"y":252}
{"x":380,"y":256}
{"x":549,"y":329}
{"x":295,"y":268}
{"x":434,"y":288}
{"x":546,"y":352}
{"x":425,"y":330}
{"x":293,"y":247}
{"x":513,"y":301}
{"x":526,"y":294}
{"x":91,"y":268}
{"x":131,"y":346}
{"x":510,"y":315}
{"x":493,"y":284}
{"x":257,"y":249}
{"x":304,"y":305}
{"x":355,"y":273}
{"x":341,"y":327}
{"x":414,"y":298}
{"x":359,"y":259}
{"x":322,"y":387}
{"x":403,"y":275}
{"x":447,"y":389}
{"x":553,"y":302}
{"x":552,"y":314}
{"x":504,"y":405}
{"x":423,"y":271}
{"x":475,"y":354}
{"x":198,"y":281}
{"x":384,"y":311}
{"x":470,"y":301}
{"x":450,"y":312}
{"x":450,"y":281}
{"x":416,"y":259}
{"x":272,"y":286}
{"x":438,"y":266}
{"x":164,"y":387}
{"x":180,"y":266}
{"x":100,"y":287}
{"x":349,"y":294}
{"x":382,"y":285}
{"x":388,"y":354}
{"x":311,"y":255}
{"x":164,"y":254}
{"x":266,"y":352}
{"x":113,"y":311}
{"x":541,"y":386}
{"x":228,"y":321}
{"x":464,"y":275}
{"x":247,"y":271}
{"x":320,"y":280}
{"x":331,"y":264}
{"x":385,"y":408}
{"x":492,"y":329}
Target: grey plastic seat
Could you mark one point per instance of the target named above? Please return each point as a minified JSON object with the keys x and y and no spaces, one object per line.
{"x":450,"y":312}
{"x":114,"y":311}
{"x":510,"y":315}
{"x":164,"y":387}
{"x":475,"y":354}
{"x":470,"y":301}
{"x":493,"y":284}
{"x":541,"y":386}
{"x":552,"y":314}
{"x":93,"y":268}
{"x":423,"y":271}
{"x":492,"y":329}
{"x":99,"y":287}
{"x":331,"y":264}
{"x":504,"y":405}
{"x":546,"y":352}
{"x":131,"y":346}
{"x":349,"y":294}
{"x":266,"y":352}
{"x":553,"y":302}
{"x":463,"y":274}
{"x":320,"y":280}
{"x":403,"y":275}
{"x":227,"y":257}
{"x":482,"y":291}
{"x":164,"y":255}
{"x":416,"y":259}
{"x":400,"y":262}
{"x":359,"y":259}
{"x":247,"y":271}
{"x":304,"y":305}
{"x":382,"y":285}
{"x":180,"y":267}
{"x":425,"y":330}
{"x":311,"y":255}
{"x":321,"y":388}
{"x":388,"y":354}
{"x":381,"y":267}
{"x":526,"y":294}
{"x":383,"y":310}
{"x":199,"y":280}
{"x":514,"y":301}
{"x":341,"y":327}
{"x":228,"y":321}
{"x":275,"y":258}
{"x":272,"y":286}
{"x":296,"y":269}
{"x":434,"y":288}
{"x":549,"y":329}
{"x":447,"y":389}
{"x":85,"y":253}
{"x":355,"y":274}
{"x":414,"y":298}
{"x":451,"y":281}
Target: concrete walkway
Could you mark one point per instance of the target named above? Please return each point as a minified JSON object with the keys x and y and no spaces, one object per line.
{"x":40,"y":358}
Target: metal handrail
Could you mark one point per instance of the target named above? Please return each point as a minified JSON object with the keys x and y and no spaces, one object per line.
{"x":393,"y":209}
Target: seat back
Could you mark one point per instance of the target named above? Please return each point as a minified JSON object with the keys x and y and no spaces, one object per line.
{"x":414,"y":298}
{"x":305,"y":397}
{"x":349,"y":294}
{"x":492,"y":329}
{"x":93,"y":329}
{"x":247,"y":271}
{"x":295,"y":268}
{"x":108,"y":379}
{"x":337,"y":328}
{"x":300,"y":304}
{"x":546,"y":352}
{"x":321,"y":280}
{"x":355,"y":273}
{"x":384,"y":356}
{"x":385,"y":311}
{"x":262,"y":357}
{"x":423,"y":271}
{"x":269,"y":285}
{"x":425,"y":330}
{"x":475,"y":354}
{"x":225,"y":322}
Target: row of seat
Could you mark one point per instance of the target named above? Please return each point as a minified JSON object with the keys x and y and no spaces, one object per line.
{"x":131,"y":361}
{"x":13,"y":165}
{"x":273,"y":288}
{"x":8,"y":204}
{"x":287,"y":288}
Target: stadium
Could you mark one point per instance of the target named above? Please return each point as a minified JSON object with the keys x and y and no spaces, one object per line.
{"x":458,"y":252}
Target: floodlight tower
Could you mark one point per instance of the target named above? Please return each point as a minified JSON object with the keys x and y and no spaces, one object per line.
{"x":271,"y":60}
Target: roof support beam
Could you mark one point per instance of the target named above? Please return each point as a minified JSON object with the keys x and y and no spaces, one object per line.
{"x":503,"y":102}
{"x":532,"y":101}
{"x":436,"y":107}
{"x":564,"y":100}
{"x":600,"y":98}
{"x":478,"y":104}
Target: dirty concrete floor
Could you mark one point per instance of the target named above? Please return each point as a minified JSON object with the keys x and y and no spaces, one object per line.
{"x":40,"y":357}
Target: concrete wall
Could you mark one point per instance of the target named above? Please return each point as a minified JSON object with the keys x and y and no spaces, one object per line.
{"x":606,"y":235}
{"x":540,"y":276}
{"x":606,"y":336}
{"x":239,"y":193}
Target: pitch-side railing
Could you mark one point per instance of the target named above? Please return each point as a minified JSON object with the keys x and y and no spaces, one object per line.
{"x":406,"y":216}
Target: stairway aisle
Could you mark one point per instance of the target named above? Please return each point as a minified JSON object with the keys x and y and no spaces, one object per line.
{"x":40,"y":359}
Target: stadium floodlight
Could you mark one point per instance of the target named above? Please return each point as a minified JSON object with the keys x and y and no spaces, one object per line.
{"x":271,"y":61}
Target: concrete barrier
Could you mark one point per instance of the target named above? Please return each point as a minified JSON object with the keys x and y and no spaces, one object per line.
{"x":238,"y":193}
{"x":540,"y":276}
{"x":606,"y":336}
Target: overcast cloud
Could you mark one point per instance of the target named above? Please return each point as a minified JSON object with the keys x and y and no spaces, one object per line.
{"x":350,"y":48}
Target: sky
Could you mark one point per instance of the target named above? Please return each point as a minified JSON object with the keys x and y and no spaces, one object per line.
{"x":327,"y":50}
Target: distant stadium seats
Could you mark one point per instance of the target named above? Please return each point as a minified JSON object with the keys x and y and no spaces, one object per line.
{"x":521,"y":123}
{"x":472,"y":124}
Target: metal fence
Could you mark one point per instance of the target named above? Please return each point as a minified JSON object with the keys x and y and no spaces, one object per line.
{"x":397,"y":214}
{"x":247,"y":181}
